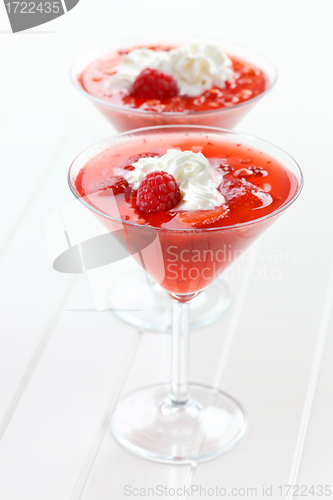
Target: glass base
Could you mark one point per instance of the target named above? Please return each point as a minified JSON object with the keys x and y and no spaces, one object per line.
{"x":148,"y":424}
{"x":152,"y":309}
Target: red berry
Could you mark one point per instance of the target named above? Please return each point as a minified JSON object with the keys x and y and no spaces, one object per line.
{"x":153,"y":84}
{"x":117,"y":184}
{"x":158,"y":192}
{"x":240,"y":193}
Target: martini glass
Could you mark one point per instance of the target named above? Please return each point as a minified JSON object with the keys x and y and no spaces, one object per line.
{"x":181,"y":422}
{"x":154,"y":313}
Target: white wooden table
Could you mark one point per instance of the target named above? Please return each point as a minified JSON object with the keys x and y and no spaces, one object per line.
{"x":61,"y":371}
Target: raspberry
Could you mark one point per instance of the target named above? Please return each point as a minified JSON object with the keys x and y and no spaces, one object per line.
{"x":153,"y":84}
{"x":158,"y":192}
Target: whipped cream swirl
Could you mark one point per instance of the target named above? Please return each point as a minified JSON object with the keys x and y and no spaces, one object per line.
{"x":196,"y":68}
{"x":193,"y":173}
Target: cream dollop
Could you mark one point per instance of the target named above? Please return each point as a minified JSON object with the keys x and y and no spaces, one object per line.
{"x":193,"y":173}
{"x":196,"y":68}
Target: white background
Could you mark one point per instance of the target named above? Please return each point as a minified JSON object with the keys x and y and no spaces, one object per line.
{"x":61,"y":372}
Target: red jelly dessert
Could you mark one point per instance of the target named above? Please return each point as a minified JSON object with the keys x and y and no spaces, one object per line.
{"x":246,"y":82}
{"x":230,"y":188}
{"x":192,"y":83}
{"x":252,"y":183}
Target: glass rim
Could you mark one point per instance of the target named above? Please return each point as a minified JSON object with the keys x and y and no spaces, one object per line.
{"x":192,"y":230}
{"x":75,"y":81}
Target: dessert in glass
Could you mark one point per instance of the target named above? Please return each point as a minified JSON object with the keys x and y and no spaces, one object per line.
{"x":185,"y":201}
{"x":157,"y":81}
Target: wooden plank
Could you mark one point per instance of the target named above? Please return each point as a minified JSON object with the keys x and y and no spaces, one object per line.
{"x":50,"y":434}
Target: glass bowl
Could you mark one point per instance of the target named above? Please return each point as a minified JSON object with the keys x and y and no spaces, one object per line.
{"x":124,"y":118}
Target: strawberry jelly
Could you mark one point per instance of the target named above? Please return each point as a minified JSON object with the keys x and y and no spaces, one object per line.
{"x":196,"y":245}
{"x":250,"y":81}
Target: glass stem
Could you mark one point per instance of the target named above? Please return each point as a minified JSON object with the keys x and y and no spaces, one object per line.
{"x":180,"y":332}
